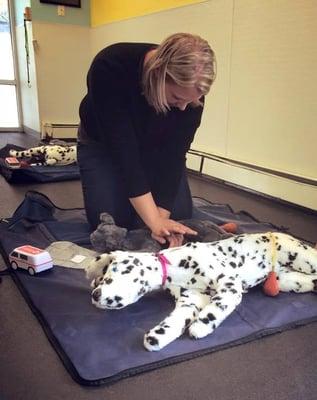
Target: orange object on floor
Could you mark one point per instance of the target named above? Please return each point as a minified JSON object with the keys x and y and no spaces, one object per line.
{"x":271,"y":286}
{"x":230,"y":227}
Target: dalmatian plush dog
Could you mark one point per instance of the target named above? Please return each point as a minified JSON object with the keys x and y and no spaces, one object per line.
{"x":207,"y":280}
{"x":49,"y":155}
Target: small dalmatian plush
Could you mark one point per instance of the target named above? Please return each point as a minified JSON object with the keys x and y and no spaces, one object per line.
{"x":207,"y":280}
{"x":50,"y":154}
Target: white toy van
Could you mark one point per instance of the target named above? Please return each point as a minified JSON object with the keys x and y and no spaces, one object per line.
{"x":31,"y":258}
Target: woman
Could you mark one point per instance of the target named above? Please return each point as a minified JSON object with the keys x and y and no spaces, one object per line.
{"x":138,"y":119}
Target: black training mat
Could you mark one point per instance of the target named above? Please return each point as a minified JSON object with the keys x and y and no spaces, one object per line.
{"x":38,"y":173}
{"x":100,"y":347}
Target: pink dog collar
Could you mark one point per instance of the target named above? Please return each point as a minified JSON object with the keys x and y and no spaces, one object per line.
{"x":164,"y":262}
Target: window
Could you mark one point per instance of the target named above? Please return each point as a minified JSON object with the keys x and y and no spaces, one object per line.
{"x":9,"y":116}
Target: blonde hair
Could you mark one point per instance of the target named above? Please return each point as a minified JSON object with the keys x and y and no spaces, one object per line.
{"x":182,"y":58}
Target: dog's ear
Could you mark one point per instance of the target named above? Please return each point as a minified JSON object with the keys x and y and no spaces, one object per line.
{"x":106,"y":218}
{"x":99,"y":265}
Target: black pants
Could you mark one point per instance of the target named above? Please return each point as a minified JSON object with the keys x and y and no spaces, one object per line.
{"x":103,"y":191}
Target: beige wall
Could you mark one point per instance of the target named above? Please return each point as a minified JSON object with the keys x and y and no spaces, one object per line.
{"x":273,"y":96}
{"x":62,"y":56}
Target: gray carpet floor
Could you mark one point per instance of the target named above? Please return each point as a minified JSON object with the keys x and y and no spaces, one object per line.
{"x":278,"y":367}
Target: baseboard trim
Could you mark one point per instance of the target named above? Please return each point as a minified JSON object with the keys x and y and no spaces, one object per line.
{"x":303,"y":193}
{"x":214,"y":180}
{"x":252,"y":167}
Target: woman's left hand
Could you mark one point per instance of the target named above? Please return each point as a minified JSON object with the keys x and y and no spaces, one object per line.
{"x":175,"y":240}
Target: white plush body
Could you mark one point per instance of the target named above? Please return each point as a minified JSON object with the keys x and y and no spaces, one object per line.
{"x":52,"y":154}
{"x":207,"y":280}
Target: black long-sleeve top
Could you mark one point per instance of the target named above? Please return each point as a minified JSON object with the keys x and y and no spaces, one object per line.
{"x":148,"y":147}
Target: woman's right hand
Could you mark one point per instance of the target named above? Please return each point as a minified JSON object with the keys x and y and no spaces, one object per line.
{"x":157,"y":218}
{"x":164,"y":227}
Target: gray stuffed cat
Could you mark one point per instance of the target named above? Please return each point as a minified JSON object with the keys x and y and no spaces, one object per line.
{"x":110,"y":237}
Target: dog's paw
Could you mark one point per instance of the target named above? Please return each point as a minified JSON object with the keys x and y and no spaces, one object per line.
{"x":50,"y":161}
{"x":151,"y":342}
{"x":200,"y":328}
{"x":92,"y":270}
{"x":98,"y":265}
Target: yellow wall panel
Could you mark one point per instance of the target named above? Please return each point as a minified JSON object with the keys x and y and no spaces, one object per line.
{"x":106,"y":11}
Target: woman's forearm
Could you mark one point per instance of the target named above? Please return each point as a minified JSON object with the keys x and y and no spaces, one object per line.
{"x":157,"y":219}
{"x":145,"y":206}
{"x":164,"y":213}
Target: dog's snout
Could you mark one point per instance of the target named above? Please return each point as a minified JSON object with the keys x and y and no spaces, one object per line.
{"x":96,"y":294}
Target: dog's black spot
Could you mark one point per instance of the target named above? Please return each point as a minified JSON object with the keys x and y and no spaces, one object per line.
{"x":193,"y":264}
{"x":141,"y":292}
{"x":160,"y":331}
{"x":233,"y":264}
{"x":211,"y":316}
{"x":104,"y":269}
{"x":183,"y":263}
{"x":152,"y":340}
{"x":223,"y":307}
{"x":127,"y":270}
{"x":292,"y":257}
{"x":182,"y":292}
